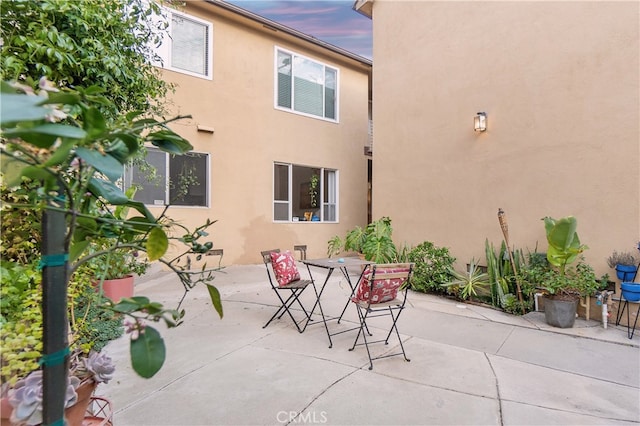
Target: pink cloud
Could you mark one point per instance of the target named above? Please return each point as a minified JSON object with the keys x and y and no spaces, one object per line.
{"x":332,"y":21}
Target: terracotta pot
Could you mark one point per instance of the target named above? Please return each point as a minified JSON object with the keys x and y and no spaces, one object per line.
{"x":118,"y":288}
{"x":5,"y":411}
{"x":74,"y":415}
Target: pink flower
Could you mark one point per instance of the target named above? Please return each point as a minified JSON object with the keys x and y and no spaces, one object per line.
{"x":135,"y":327}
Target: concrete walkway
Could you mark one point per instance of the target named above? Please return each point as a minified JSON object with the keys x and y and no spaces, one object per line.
{"x":469,"y":365}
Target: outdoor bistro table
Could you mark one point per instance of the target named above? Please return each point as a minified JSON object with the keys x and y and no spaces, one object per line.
{"x":331,"y":265}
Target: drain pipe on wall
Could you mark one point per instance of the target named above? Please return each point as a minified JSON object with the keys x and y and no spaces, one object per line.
{"x":535,"y":301}
{"x":585,"y":302}
{"x":602,"y":299}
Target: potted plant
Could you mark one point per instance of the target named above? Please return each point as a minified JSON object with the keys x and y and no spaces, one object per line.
{"x":562,"y":284}
{"x":313,"y":190}
{"x":115,"y":271}
{"x":625,"y":264}
{"x":24,"y":404}
{"x":372,"y":242}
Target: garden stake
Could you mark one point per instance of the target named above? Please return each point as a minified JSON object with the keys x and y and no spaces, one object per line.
{"x":55,"y":359}
{"x":502,"y":218}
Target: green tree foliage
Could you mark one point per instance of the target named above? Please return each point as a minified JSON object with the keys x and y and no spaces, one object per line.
{"x":72,"y":167}
{"x":108,"y":43}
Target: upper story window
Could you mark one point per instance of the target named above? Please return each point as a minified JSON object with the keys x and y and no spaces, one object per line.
{"x":187,"y":48}
{"x":305,"y":86}
{"x":180,"y":180}
{"x":302,"y":193}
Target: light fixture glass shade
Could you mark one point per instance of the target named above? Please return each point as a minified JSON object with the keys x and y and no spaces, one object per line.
{"x":480,"y":122}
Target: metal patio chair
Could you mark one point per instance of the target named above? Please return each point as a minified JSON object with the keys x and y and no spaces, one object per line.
{"x":282,"y":284}
{"x":378,"y":296}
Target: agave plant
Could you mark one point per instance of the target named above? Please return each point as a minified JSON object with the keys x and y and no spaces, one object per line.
{"x":470,"y":282}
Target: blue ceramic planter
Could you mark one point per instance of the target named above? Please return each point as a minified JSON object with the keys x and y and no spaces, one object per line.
{"x":631,"y":291}
{"x":626,"y":273}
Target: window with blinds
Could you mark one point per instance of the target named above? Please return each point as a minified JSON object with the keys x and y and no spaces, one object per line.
{"x":306,"y":86}
{"x":190,"y":45}
{"x":186,"y":47}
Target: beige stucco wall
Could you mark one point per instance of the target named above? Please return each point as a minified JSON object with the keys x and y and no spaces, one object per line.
{"x":559,"y":82}
{"x":250,"y":134}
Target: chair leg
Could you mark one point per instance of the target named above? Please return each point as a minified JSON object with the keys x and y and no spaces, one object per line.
{"x":294,"y":295}
{"x":284,"y":308}
{"x":307,"y":314}
{"x":394,"y":327}
{"x":366,"y":343}
{"x":280,"y":312}
{"x":361,"y":331}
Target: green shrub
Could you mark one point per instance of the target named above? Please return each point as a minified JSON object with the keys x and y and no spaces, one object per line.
{"x":21,"y":318}
{"x":510,"y":304}
{"x":93,"y":325}
{"x":432,"y":267}
{"x":96,"y":326}
{"x":20,"y":321}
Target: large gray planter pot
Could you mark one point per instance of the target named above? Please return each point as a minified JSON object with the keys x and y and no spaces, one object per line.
{"x":560,"y":313}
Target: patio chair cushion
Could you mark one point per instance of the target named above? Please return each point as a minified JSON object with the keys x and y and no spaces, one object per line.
{"x":284,"y":267}
{"x":383,"y":289}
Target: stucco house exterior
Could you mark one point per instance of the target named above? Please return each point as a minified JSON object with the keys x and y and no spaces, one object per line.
{"x":275,"y":113}
{"x":559,"y":83}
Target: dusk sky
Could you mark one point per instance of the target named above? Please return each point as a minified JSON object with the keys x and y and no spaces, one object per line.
{"x":332,"y":21}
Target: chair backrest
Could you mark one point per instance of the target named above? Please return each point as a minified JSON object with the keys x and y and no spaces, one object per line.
{"x":266,"y":258}
{"x":283,"y":267}
{"x":381,"y":282}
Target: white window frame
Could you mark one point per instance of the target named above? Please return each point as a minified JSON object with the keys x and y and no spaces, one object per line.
{"x":323,"y":204}
{"x":165,"y":51}
{"x":292,"y":109}
{"x":167,"y":192}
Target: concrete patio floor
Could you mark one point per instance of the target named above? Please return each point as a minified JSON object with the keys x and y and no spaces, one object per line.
{"x":469,"y":365}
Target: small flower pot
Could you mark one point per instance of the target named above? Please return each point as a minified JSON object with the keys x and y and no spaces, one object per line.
{"x":631,"y":291}
{"x":626,"y":273}
{"x":118,"y":288}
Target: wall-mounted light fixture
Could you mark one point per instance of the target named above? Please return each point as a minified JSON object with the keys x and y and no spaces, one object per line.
{"x":480,"y":122}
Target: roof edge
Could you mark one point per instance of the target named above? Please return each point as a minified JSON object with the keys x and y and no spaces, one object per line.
{"x":290,"y":31}
{"x":364,"y":7}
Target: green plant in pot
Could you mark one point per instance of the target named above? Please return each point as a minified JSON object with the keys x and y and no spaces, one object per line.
{"x":313,"y":190}
{"x":115,"y":271}
{"x":373,"y":242}
{"x":563,"y":284}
